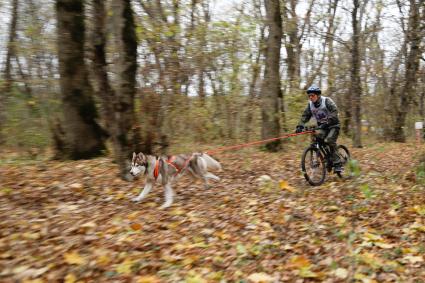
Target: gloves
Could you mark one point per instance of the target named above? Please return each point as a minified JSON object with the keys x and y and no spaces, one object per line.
{"x":299,"y":129}
{"x":323,"y":126}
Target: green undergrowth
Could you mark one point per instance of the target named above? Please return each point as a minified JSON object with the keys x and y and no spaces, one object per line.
{"x":419,"y":169}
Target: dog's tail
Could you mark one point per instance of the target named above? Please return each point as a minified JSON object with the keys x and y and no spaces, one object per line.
{"x":211,"y":162}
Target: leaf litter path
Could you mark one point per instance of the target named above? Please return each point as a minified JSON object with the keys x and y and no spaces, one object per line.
{"x":74,"y":222}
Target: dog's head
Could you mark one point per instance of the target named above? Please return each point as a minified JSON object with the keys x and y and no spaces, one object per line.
{"x":139,"y":163}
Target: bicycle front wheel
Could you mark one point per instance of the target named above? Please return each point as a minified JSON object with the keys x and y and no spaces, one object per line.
{"x":313,"y":166}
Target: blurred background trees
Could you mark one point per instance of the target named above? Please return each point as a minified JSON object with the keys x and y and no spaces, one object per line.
{"x":78,"y":133}
{"x":181,"y":72}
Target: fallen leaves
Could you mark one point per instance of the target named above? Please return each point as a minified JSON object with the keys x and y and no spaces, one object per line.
{"x":147,"y":279}
{"x":376,"y":240}
{"x":303,"y":267}
{"x":89,"y":225}
{"x":74,"y":258}
{"x":260,"y":278}
{"x":417,"y":226}
{"x":76,"y":186}
{"x":70,"y":278}
{"x":371,"y":260}
{"x":419,"y":209}
{"x":413,"y":259}
{"x":78,"y":226}
{"x":299,"y":262}
{"x":341,"y":273}
{"x":125,"y":267}
{"x":136,"y":226}
{"x":340,"y":220}
{"x":285,"y":186}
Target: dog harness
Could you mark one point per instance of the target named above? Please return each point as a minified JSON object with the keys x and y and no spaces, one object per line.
{"x":156,"y":169}
{"x":170,"y":161}
{"x":178,"y":170}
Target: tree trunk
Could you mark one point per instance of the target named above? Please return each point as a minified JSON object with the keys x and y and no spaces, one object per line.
{"x":292,"y":45}
{"x":202,"y":62}
{"x":11,"y":48}
{"x":103,"y":88}
{"x":317,"y":71}
{"x":390,"y":102}
{"x":168,"y":64}
{"x":7,"y":87}
{"x":232,"y":113}
{"x":347,"y":116}
{"x":83,"y":136}
{"x":108,"y":98}
{"x":407,"y":93}
{"x":356,"y":88}
{"x":329,"y":38}
{"x":175,"y":44}
{"x":252,"y":93}
{"x":126,"y":130}
{"x":422,"y":96}
{"x":270,"y":90}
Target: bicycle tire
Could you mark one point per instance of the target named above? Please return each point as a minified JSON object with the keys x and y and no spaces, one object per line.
{"x":317,"y":163}
{"x":345,"y":157}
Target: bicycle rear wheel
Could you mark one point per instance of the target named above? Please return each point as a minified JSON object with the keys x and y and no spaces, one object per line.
{"x":344,"y":155}
{"x":313,"y":166}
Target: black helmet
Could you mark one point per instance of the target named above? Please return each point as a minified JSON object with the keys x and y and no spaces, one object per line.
{"x":314,"y":89}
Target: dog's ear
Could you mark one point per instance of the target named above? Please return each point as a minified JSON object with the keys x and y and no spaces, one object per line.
{"x":134,"y":155}
{"x":141,"y":156}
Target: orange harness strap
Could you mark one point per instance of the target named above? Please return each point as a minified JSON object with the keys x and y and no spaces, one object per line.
{"x":156,"y":170}
{"x":178,"y":170}
{"x":170,"y":162}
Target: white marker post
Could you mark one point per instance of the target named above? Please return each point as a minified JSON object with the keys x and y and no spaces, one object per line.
{"x":418,"y":127}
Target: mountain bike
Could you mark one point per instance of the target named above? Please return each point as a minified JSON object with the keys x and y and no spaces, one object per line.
{"x":316,"y":160}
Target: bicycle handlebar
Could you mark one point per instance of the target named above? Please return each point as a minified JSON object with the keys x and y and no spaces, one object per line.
{"x":311,"y":128}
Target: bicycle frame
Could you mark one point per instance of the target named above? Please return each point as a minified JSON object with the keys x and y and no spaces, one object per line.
{"x":324,"y":150}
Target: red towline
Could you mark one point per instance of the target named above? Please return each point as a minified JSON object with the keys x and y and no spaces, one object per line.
{"x":255,"y":142}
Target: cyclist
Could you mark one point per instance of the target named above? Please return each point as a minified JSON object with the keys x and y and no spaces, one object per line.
{"x":325,"y":111}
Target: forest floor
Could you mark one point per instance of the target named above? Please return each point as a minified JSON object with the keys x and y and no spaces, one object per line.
{"x":74,"y":222}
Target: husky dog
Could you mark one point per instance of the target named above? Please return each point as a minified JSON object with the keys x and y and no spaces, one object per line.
{"x":165,"y":170}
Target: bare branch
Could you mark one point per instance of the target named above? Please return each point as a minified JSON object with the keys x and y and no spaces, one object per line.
{"x":306,"y":20}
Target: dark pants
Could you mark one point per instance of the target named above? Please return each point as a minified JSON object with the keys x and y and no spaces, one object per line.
{"x":330,"y":137}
